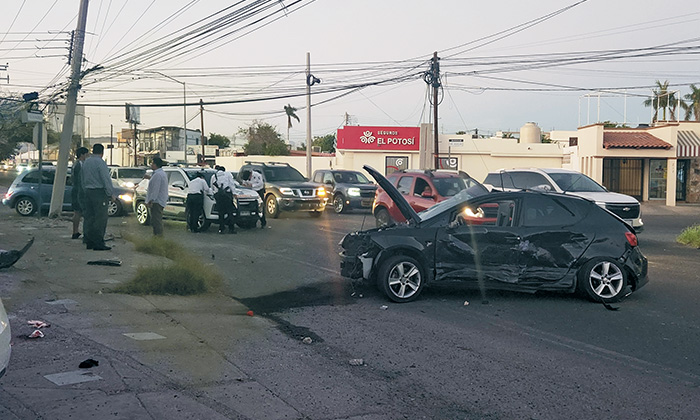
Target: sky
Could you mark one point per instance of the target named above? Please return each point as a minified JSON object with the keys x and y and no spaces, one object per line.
{"x":501,"y":62}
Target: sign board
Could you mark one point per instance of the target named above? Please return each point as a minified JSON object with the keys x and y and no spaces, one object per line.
{"x":379,"y":138}
{"x":35,"y":135}
{"x":456,"y":142}
{"x":133,"y":114}
{"x":395,"y":163}
{"x":448,"y":163}
{"x":31,"y":117}
{"x":210,"y":151}
{"x":175,"y":156}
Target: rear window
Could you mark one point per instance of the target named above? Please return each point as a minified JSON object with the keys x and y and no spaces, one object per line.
{"x":448,"y":187}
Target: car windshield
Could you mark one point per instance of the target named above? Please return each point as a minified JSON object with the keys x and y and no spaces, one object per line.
{"x":464,"y":195}
{"x":575,"y":182}
{"x":282,"y":173}
{"x":448,"y":187}
{"x":350,"y":178}
{"x":132,"y":173}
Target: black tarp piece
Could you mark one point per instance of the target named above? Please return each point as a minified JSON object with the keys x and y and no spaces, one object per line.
{"x":9,"y":258}
{"x":113,"y":263}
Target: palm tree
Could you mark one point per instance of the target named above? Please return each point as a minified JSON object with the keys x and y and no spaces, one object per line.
{"x":692,"y":107}
{"x":660,"y":100}
{"x":291,"y":113}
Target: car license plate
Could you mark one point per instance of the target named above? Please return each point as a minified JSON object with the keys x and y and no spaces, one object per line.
{"x":366,"y":203}
{"x":245,"y":213}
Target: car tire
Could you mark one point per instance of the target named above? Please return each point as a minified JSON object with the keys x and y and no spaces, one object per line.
{"x":401,"y":278}
{"x":339,"y":203}
{"x":272,"y":209}
{"x":202,"y":223}
{"x":143,"y":214}
{"x":25,"y":206}
{"x":382,"y":217}
{"x":602,"y":280}
{"x":114,"y":208}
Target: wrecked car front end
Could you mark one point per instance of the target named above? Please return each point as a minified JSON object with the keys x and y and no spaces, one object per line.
{"x":358,"y":255}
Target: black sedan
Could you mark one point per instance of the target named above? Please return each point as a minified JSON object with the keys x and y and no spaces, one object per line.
{"x":524,"y":241}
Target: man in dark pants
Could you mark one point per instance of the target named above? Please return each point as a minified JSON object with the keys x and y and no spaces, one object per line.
{"x":223,"y":186}
{"x":77,"y":193}
{"x":195,"y":201}
{"x":97,"y":185}
{"x":254,"y":180}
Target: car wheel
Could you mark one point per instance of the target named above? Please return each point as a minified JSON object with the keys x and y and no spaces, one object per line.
{"x":143,"y":216}
{"x":382,"y":217}
{"x":202,"y":223}
{"x":401,"y":278}
{"x":271,"y":207}
{"x":114,"y":208}
{"x":25,"y":206}
{"x":339,"y":203}
{"x":602,"y":280}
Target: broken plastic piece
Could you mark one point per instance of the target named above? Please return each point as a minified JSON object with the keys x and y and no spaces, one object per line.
{"x":250,"y":313}
{"x":113,"y":263}
{"x":87,"y":364}
{"x":384,"y":307}
{"x":38,"y":324}
{"x":466,"y":302}
{"x":307,"y":340}
{"x":36,"y":334}
{"x":356,"y":362}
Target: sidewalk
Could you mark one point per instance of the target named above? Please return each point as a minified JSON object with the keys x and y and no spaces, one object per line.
{"x":160,"y":357}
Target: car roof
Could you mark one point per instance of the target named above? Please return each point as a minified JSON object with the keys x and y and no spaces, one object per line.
{"x":540,"y":170}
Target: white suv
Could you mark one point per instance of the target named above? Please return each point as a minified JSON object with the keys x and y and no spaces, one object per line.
{"x":569,"y":182}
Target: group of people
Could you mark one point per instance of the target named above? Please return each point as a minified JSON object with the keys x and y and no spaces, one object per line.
{"x":92,"y":191}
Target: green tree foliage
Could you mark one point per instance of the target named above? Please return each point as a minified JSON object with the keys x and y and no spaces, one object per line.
{"x":612,"y":124}
{"x":263,"y":139}
{"x":12,"y":129}
{"x":692,"y":107}
{"x":219,"y":140}
{"x":663,"y":100}
{"x":326,"y":143}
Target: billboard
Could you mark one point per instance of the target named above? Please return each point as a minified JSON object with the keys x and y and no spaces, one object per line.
{"x":379,"y":138}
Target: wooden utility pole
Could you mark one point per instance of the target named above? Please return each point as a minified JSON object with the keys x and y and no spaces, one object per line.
{"x":435,"y":69}
{"x":59,"y":185}
{"x":308,"y":114}
{"x":201,"y":118}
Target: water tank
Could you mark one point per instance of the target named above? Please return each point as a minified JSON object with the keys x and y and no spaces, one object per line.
{"x":530,"y":133}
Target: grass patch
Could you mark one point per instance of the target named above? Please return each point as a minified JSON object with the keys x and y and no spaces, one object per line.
{"x":187,"y":275}
{"x":690,"y":236}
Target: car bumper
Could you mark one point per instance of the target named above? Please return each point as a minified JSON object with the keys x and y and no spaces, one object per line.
{"x":301,"y":204}
{"x":637,"y":265}
{"x":359,"y":202}
{"x":7,"y":202}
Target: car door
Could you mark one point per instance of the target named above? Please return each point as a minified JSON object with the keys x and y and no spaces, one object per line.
{"x":552,"y":239}
{"x":177,"y":195}
{"x":481,"y":242}
{"x":417,"y":200}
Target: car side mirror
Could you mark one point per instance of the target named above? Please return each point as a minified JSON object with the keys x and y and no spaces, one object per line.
{"x":428,"y":194}
{"x":179,"y":185}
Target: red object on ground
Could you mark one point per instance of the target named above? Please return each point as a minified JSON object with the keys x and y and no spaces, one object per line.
{"x":250,"y":313}
{"x":36,"y":334}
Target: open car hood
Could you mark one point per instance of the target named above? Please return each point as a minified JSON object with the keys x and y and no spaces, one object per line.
{"x":403,"y":206}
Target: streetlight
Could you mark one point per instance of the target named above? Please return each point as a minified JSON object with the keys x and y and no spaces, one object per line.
{"x":184,"y":103}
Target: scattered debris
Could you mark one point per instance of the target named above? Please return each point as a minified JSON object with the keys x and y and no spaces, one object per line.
{"x":352,"y":294}
{"x":8,"y":258}
{"x":38,"y":324}
{"x":466,"y":303}
{"x":113,"y":263}
{"x":250,"y":313}
{"x":356,"y":362}
{"x":36,"y":334}
{"x":307,"y":340}
{"x":384,"y":307}
{"x":212,"y":256}
{"x":87,"y":364}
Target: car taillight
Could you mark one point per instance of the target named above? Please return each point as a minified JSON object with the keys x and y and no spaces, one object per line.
{"x":631,"y":238}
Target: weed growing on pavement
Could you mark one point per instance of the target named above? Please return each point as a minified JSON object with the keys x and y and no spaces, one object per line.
{"x":690,"y":236}
{"x":187,"y":275}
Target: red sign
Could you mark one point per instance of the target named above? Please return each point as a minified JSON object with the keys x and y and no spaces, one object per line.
{"x":353,"y":137}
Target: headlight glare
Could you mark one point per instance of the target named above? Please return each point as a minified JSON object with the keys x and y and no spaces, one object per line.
{"x":354,"y":191}
{"x":126,"y":198}
{"x":286,"y":191}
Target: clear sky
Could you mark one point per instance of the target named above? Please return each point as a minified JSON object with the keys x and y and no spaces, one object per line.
{"x":498,"y":71}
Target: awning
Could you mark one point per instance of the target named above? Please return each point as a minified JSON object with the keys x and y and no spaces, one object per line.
{"x":632,"y":140}
{"x":688,"y":144}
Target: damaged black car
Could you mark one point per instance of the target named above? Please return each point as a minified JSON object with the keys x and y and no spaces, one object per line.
{"x":522,"y":241}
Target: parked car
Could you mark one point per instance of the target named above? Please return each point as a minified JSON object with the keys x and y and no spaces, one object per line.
{"x":346,"y":189}
{"x":286,"y":189}
{"x":5,"y":338}
{"x":422,"y":189}
{"x":523,"y":241}
{"x":23,"y":194}
{"x":246,"y":201}
{"x":127,"y":177}
{"x":569,"y":182}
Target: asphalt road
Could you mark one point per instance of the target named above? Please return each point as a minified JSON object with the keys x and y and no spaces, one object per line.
{"x":464,"y":353}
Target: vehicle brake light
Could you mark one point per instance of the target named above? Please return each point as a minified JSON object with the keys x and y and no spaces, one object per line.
{"x":631,"y":238}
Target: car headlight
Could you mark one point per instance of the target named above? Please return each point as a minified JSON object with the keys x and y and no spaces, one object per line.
{"x":286,"y":191}
{"x":354,"y":191}
{"x":321,"y":192}
{"x":129,"y":184}
{"x":126,"y":198}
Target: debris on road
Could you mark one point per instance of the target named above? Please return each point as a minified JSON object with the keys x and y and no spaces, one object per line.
{"x":36,"y":334}
{"x":307,"y":340}
{"x":38,"y":324}
{"x":113,"y":262}
{"x":87,"y":364}
{"x":466,"y":303}
{"x":356,"y":362}
{"x":8,"y":258}
{"x":384,"y":307}
{"x":250,"y":313}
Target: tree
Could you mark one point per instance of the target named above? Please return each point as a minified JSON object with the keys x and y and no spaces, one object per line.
{"x":661,"y":101}
{"x":692,"y":107}
{"x":12,"y":130}
{"x":326,"y":143}
{"x":461,"y":132}
{"x":263,"y":139}
{"x":219,"y":140}
{"x":291,"y":113}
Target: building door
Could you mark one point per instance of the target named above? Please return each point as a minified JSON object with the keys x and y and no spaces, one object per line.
{"x":657,"y":179}
{"x":682,"y":179}
{"x":624,"y":176}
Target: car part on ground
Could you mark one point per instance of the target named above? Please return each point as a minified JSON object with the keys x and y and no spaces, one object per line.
{"x":522,"y":241}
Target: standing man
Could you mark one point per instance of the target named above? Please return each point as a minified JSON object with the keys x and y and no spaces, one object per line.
{"x":97,"y":185}
{"x":77,"y":193}
{"x":223,"y":187}
{"x":195,"y":201}
{"x":157,"y":195}
{"x":254,"y":180}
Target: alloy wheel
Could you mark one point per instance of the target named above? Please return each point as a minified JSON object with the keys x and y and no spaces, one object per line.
{"x":606,"y":280}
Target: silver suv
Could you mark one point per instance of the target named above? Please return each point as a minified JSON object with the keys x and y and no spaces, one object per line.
{"x":569,"y":182}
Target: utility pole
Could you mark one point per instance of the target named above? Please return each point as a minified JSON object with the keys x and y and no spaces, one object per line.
{"x":111,"y":143}
{"x":308,"y":115}
{"x":59,"y":184}
{"x":432,"y":77}
{"x":201,"y":118}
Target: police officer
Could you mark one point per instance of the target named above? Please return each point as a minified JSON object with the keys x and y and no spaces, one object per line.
{"x":195,"y":201}
{"x":223,"y":187}
{"x":254,"y":180}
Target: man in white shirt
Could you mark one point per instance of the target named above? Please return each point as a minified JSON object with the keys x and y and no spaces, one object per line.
{"x":195,"y":201}
{"x":157,"y":195}
{"x":254,"y":180}
{"x":223,"y":186}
